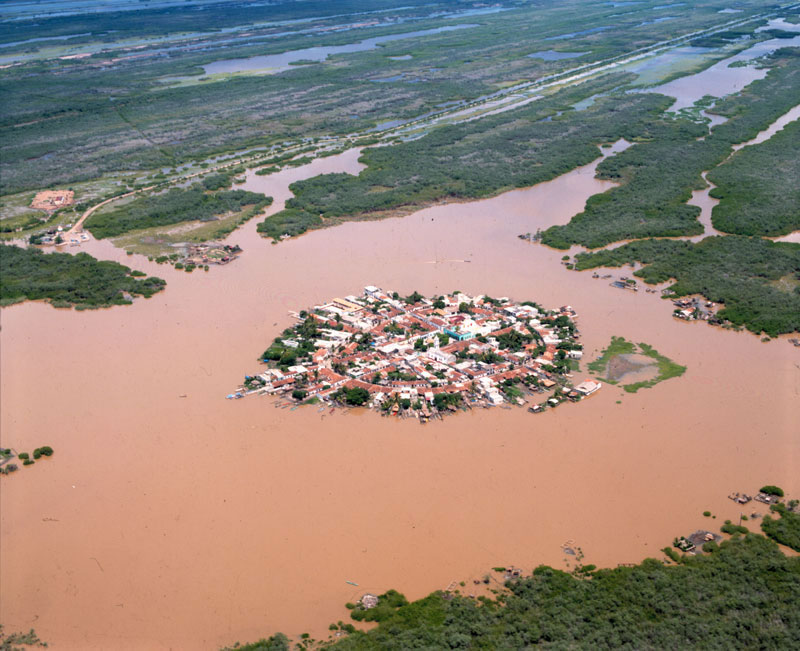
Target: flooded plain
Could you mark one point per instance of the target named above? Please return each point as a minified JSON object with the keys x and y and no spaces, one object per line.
{"x":169,"y":517}
{"x":275,"y":63}
{"x":721,"y":79}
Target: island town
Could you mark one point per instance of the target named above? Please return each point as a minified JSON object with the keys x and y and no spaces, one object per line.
{"x":423,"y":357}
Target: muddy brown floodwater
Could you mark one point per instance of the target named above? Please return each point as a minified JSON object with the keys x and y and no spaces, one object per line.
{"x":165,"y":521}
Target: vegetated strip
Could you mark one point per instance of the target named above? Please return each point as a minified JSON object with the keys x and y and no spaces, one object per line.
{"x":175,"y":205}
{"x":758,"y":187}
{"x":658,"y":175}
{"x":69,"y":280}
{"x":744,"y":274}
{"x":741,"y":593}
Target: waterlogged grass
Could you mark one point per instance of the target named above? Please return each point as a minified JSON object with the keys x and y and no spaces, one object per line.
{"x":73,"y":120}
{"x":620,"y":346}
{"x":159,"y":240}
{"x":666,"y":369}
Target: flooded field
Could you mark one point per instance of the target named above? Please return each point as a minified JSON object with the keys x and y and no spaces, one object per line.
{"x":721,"y":79}
{"x":275,"y":63}
{"x":169,"y":517}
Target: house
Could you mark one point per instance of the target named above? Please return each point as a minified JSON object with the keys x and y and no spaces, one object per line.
{"x":588,"y":387}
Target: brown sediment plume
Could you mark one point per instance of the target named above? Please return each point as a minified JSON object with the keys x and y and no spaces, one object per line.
{"x":192,"y":522}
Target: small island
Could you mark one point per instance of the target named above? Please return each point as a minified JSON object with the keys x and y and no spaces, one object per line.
{"x":422,"y":357}
{"x":642,"y":366}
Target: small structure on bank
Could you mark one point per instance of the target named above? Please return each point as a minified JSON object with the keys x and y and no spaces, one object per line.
{"x":52,"y":200}
{"x":368,"y":601}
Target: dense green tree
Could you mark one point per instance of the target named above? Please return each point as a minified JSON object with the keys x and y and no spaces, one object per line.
{"x":66,"y":280}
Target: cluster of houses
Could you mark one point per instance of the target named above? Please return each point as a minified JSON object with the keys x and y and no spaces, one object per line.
{"x":424,"y":356}
{"x":692,"y":309}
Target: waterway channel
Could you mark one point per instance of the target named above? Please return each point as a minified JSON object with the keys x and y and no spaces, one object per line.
{"x":172,"y":518}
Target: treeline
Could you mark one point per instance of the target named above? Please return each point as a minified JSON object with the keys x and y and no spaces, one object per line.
{"x":175,"y":205}
{"x":477,"y":159}
{"x":757,"y":281}
{"x":68,"y":280}
{"x":759,"y":187}
{"x":658,"y":174}
{"x":742,"y":593}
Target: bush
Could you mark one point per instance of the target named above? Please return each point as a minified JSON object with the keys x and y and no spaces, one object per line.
{"x":772,"y":490}
{"x":388,"y":603}
{"x":733,"y":529}
{"x":785,"y":530}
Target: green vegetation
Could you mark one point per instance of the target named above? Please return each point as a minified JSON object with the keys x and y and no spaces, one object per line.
{"x":733,"y":529}
{"x":19,"y":641}
{"x":772,"y":490}
{"x":66,"y":280}
{"x":355,"y":396}
{"x":758,"y":189}
{"x":45,"y":451}
{"x":658,"y":174}
{"x":175,"y":205}
{"x":521,"y":148}
{"x":786,"y":529}
{"x":388,"y":603}
{"x":666,"y":369}
{"x":619,"y":346}
{"x":277,"y":642}
{"x":67,"y":120}
{"x":744,"y":274}
{"x":741,"y":593}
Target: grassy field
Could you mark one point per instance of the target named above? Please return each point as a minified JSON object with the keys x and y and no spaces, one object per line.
{"x":160,"y":240}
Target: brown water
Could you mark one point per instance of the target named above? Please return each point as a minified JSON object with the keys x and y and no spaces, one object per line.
{"x":186,"y":523}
